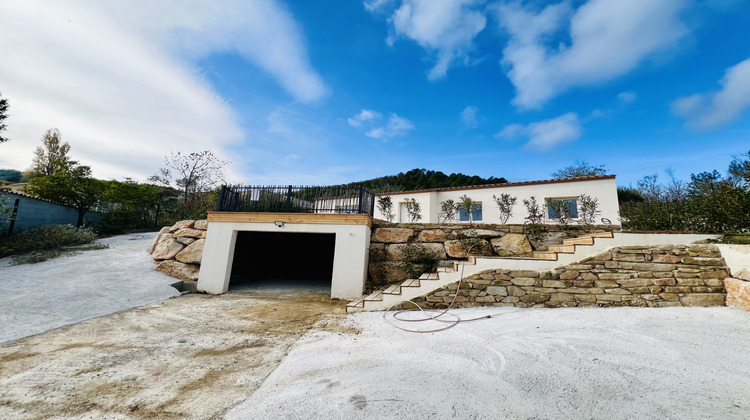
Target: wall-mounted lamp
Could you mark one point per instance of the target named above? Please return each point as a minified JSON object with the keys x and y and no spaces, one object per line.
{"x":279,"y":224}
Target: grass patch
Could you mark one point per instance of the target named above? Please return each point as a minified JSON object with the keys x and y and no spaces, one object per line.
{"x":40,"y":256}
{"x":736,"y":239}
{"x":43,"y":238}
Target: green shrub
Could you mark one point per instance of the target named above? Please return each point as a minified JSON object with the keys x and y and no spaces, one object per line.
{"x":44,"y":237}
{"x":121,"y":220}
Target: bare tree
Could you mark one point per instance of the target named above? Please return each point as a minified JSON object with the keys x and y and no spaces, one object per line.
{"x":3,"y":115}
{"x":52,"y":156}
{"x":192,"y":173}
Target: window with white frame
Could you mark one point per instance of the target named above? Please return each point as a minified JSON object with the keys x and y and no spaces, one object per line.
{"x":476,"y":213}
{"x":570,"y":203}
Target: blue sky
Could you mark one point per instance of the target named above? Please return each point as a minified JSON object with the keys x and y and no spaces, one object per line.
{"x":328,"y":92}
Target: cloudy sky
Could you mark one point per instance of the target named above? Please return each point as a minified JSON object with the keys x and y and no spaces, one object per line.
{"x":326,"y":92}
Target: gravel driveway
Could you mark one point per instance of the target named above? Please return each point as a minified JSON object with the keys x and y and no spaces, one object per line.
{"x":62,"y":291}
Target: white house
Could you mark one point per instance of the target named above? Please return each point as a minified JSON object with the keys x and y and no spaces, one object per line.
{"x":603,"y":188}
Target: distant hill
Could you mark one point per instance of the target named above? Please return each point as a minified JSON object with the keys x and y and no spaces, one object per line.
{"x":420,"y":179}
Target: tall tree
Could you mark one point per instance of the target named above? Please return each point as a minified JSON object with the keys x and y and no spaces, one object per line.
{"x":3,"y":115}
{"x":72,"y":185}
{"x":194,"y":174}
{"x":52,"y":156}
{"x":579,"y":168}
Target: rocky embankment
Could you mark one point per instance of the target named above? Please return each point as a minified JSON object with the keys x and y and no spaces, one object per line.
{"x":179,"y":248}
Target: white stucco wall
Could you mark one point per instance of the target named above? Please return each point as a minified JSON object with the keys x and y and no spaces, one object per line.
{"x":605,"y":190}
{"x":349,"y":262}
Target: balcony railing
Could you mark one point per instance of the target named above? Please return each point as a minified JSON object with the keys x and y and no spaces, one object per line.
{"x":297,"y":199}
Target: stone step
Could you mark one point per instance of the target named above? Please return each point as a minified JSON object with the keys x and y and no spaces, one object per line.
{"x":429,"y":276}
{"x":578,"y":241}
{"x":392,"y":290}
{"x":375,"y":296}
{"x":563,"y":249}
{"x":544,"y":255}
{"x":411,"y":283}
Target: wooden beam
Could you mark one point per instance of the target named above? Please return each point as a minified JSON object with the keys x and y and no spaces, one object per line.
{"x":291,"y":218}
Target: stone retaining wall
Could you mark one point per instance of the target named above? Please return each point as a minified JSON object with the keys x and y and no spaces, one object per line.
{"x":179,"y":249}
{"x":691,"y":275}
{"x":402,"y":251}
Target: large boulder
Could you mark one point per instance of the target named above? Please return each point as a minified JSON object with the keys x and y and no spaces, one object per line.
{"x":164,"y":231}
{"x":477,"y":233}
{"x":511,"y":244}
{"x":383,"y":273}
{"x":738,"y":293}
{"x":392,"y":235}
{"x":193,"y":253}
{"x":462,"y":248}
{"x":179,"y":270}
{"x":432,"y":235}
{"x":201,"y":224}
{"x":182,"y":224}
{"x":167,"y":249}
{"x":190,"y":233}
{"x":415,"y":252}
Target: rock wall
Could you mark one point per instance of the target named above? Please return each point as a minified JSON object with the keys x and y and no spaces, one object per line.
{"x":402,"y":251}
{"x":690,"y":275}
{"x":179,"y":248}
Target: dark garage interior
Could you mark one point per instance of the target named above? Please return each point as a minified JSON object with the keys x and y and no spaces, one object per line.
{"x":283,"y":260}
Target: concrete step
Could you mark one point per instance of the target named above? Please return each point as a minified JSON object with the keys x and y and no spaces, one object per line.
{"x":563,"y":249}
{"x":578,"y":241}
{"x":375,"y":296}
{"x":393,"y":290}
{"x":429,"y":276}
{"x":359,"y":303}
{"x":545,"y":255}
{"x":410,"y":283}
{"x":598,"y":235}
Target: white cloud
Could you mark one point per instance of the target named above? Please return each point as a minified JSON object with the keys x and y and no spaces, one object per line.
{"x":469,"y":116}
{"x":372,"y":122}
{"x":375,"y":6}
{"x":364,"y":116}
{"x":511,"y":132}
{"x":545,"y":135}
{"x":446,"y":28}
{"x":120,"y":80}
{"x":705,"y":111}
{"x":396,"y":127}
{"x":608,"y":38}
{"x":627,"y":97}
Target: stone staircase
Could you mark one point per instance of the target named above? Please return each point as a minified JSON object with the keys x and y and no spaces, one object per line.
{"x":572,"y":250}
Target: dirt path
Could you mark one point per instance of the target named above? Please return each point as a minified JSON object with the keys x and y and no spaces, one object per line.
{"x":189,"y":357}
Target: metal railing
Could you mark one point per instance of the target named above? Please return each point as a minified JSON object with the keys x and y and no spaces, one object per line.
{"x":297,"y":199}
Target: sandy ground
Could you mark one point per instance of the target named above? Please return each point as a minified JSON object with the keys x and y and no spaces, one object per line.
{"x":194,"y":356}
{"x":272,"y":353}
{"x":65,"y":290}
{"x":578,"y":363}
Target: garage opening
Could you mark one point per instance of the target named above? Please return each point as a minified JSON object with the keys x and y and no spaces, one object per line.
{"x":283,"y":261}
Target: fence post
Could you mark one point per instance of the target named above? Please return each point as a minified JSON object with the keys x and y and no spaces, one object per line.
{"x":222,"y":194}
{"x":288,"y":199}
{"x":361,"y":196}
{"x":14,"y":215}
{"x":372,"y":203}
